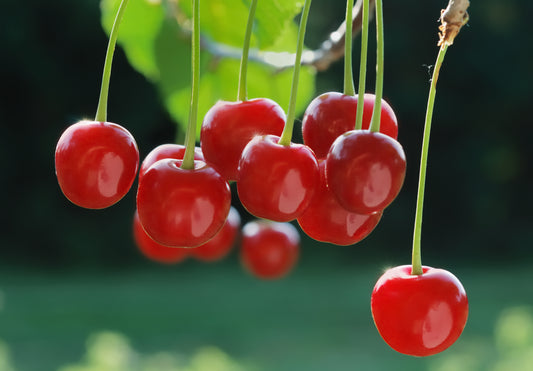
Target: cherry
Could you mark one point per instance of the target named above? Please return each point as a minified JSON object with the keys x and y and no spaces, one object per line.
{"x":276,"y":182}
{"x":419,"y":315}
{"x":175,"y":151}
{"x":229,"y":126}
{"x":269,"y":249}
{"x":220,"y":245}
{"x":96,"y":163}
{"x":365,"y":170}
{"x":153,"y":250}
{"x":326,"y":220}
{"x":332,"y":114}
{"x":180,"y":207}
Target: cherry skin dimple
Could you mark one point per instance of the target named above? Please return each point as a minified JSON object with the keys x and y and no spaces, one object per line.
{"x":182,"y":208}
{"x":96,"y":163}
{"x":269,"y":250}
{"x":365,"y":170}
{"x":419,"y":315}
{"x":332,"y":114}
{"x":326,"y":220}
{"x":229,"y":126}
{"x":170,"y":150}
{"x":276,"y":182}
{"x":153,"y":250}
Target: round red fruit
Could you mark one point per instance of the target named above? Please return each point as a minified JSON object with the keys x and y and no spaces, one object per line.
{"x":276,"y":182}
{"x":175,"y":151}
{"x":269,"y":249}
{"x":365,"y":170}
{"x":182,"y":207}
{"x":96,"y":163}
{"x":229,"y":126}
{"x":419,"y":315}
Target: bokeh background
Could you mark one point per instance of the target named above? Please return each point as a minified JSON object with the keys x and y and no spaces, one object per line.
{"x":75,"y":294}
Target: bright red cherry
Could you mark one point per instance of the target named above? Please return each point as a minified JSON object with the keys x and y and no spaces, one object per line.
{"x":326,"y":220}
{"x":182,"y":208}
{"x":96,"y":163}
{"x":365,"y":170}
{"x":269,"y":250}
{"x":276,"y":182}
{"x":229,"y":126}
{"x":220,"y":245}
{"x":154,"y":251}
{"x":419,"y":315}
{"x":175,"y":151}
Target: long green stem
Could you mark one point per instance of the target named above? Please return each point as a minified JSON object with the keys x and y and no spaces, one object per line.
{"x":190,"y":136}
{"x":417,"y":258}
{"x":286,"y":135}
{"x":376,"y":113}
{"x":348,"y":72}
{"x":101,"y":111}
{"x":362,"y":67}
{"x":243,"y":93}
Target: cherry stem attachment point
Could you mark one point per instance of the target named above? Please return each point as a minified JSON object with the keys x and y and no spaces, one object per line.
{"x":416,"y":257}
{"x":242,"y":94}
{"x":286,"y":135}
{"x":349,"y":88}
{"x":190,"y":136}
{"x":101,"y":111}
{"x":376,"y":113}
{"x":362,"y":66}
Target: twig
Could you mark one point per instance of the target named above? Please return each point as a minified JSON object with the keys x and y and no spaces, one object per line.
{"x":452,"y":19}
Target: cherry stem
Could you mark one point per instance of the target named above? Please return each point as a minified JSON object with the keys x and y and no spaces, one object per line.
{"x":348,"y":72}
{"x":243,"y":93}
{"x":362,"y":66}
{"x":417,"y":258}
{"x":286,"y":135}
{"x":376,"y":113}
{"x":101,"y":111}
{"x":190,"y":136}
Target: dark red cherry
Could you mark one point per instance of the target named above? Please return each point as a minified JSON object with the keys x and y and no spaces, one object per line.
{"x":326,"y":220}
{"x":220,"y":245}
{"x":179,"y":207}
{"x":96,"y":163}
{"x":175,"y":151}
{"x":269,"y":250}
{"x":229,"y":126}
{"x":365,"y":170}
{"x":276,"y":182}
{"x":153,"y":250}
{"x":332,"y":114}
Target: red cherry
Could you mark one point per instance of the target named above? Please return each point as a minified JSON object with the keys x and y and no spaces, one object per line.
{"x":220,"y":245}
{"x":229,"y":126}
{"x":326,"y":220}
{"x":175,"y":151}
{"x":96,"y":163}
{"x":276,"y":182}
{"x":365,"y":170}
{"x":269,"y":249}
{"x":179,"y":207}
{"x":419,"y":315}
{"x":332,"y":114}
{"x":154,"y":251}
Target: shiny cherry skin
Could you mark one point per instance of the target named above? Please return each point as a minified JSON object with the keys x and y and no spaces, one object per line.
{"x":153,"y":250}
{"x":229,"y":126}
{"x":182,"y":208}
{"x":221,"y":244}
{"x":326,"y":220}
{"x":170,"y":150}
{"x":419,"y":315}
{"x":332,"y":114}
{"x":269,"y":250}
{"x":365,"y":170}
{"x":276,"y":182}
{"x":96,"y":163}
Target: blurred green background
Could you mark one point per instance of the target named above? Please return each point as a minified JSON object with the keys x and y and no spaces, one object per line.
{"x":76,"y":295}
